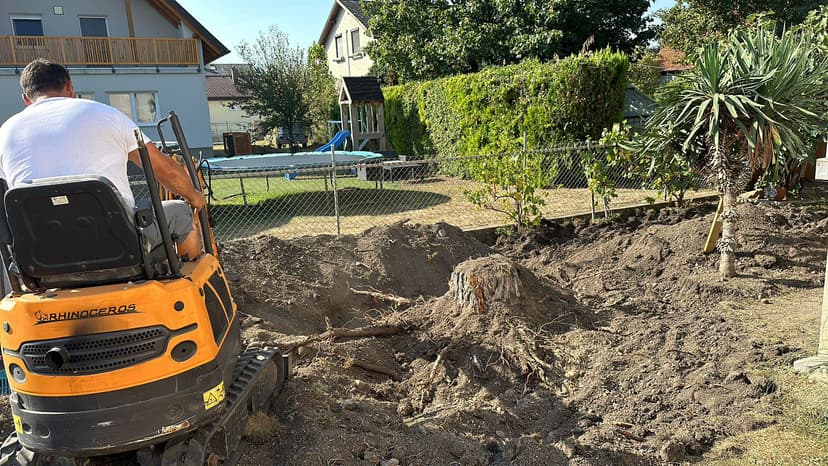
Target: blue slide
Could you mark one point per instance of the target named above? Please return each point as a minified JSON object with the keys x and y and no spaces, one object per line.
{"x":338,"y":140}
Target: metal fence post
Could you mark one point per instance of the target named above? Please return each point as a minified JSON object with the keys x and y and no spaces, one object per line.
{"x":335,"y":192}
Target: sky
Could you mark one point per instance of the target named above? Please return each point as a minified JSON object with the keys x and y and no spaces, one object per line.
{"x":302,"y":20}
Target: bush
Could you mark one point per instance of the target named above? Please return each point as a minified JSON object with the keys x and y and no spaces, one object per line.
{"x":511,"y":185}
{"x":569,"y":100}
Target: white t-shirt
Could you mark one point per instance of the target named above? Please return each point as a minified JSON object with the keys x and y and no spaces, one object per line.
{"x":62,"y":136}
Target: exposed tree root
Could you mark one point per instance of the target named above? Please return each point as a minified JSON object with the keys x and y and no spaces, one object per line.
{"x":371,"y":367}
{"x":334,"y":333}
{"x":398,"y":300}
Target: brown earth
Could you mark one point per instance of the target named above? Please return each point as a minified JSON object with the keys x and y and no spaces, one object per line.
{"x":577,"y":344}
{"x":581,"y":344}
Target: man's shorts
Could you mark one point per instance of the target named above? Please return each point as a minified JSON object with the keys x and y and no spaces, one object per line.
{"x":179,"y":220}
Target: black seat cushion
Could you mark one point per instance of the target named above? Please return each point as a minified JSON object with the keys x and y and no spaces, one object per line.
{"x":71,"y":227}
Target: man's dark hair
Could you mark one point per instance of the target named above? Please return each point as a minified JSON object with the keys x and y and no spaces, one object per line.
{"x":41,"y":76}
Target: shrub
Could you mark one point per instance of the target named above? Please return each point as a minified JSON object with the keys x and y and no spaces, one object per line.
{"x":509,"y":184}
{"x":488,"y":112}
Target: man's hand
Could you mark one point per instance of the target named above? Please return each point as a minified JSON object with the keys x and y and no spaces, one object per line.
{"x":197,"y":201}
{"x":172,"y":176}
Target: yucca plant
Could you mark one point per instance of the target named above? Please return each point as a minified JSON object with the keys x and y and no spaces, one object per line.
{"x":748,"y":99}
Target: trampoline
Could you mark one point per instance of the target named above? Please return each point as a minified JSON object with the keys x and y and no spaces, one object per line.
{"x":289,"y":165}
{"x":282,"y":162}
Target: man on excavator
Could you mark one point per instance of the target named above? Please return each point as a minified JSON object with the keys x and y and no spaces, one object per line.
{"x":59,"y":135}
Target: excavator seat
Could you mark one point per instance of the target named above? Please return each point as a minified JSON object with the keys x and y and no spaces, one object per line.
{"x":73,"y":231}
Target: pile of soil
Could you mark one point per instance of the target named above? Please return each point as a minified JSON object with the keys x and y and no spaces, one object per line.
{"x":577,"y":344}
{"x":306,"y":284}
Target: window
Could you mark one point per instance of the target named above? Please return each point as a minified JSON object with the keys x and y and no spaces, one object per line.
{"x":85,"y":95}
{"x":93,"y":27}
{"x":27,"y":26}
{"x":338,"y":45}
{"x":142,"y":107}
{"x":355,"y":47}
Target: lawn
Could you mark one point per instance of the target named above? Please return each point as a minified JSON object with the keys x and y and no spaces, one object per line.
{"x":305,"y":206}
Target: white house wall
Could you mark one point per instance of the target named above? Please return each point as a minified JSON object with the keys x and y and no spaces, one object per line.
{"x":225,"y":118}
{"x":349,"y":66}
{"x":182,"y":92}
{"x":178,"y":88}
{"x":147,"y":20}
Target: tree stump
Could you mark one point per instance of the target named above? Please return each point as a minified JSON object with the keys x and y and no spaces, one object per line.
{"x":478,"y":283}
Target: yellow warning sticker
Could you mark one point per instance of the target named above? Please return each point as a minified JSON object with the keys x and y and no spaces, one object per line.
{"x":212,"y":397}
{"x":18,"y":424}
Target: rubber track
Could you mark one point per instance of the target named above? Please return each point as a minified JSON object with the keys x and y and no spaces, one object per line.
{"x":248,"y":367}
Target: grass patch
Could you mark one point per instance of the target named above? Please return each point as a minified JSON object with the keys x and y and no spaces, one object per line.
{"x":799,"y":433}
{"x":261,"y":429}
{"x":800,"y":436}
{"x":292,"y":208}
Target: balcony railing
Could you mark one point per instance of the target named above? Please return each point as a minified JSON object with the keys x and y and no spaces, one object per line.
{"x":101,"y":51}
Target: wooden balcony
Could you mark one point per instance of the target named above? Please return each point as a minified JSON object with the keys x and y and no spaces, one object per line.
{"x":98,"y":51}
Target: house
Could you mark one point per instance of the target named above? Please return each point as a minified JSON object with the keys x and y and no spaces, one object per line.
{"x":638,"y":107}
{"x":673,"y":63}
{"x":143,"y":57}
{"x":344,"y":35}
{"x":222,"y":95}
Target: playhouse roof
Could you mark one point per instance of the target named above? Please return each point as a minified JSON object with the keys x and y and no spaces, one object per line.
{"x":362,"y":89}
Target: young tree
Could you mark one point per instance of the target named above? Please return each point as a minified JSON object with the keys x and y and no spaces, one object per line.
{"x":749,"y":99}
{"x":278,"y":82}
{"x":322,"y":96}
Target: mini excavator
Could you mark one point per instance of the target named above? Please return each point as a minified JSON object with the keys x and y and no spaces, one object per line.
{"x":117,"y":354}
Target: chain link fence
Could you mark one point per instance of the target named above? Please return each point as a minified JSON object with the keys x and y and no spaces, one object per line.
{"x":218,"y":129}
{"x":320,"y":199}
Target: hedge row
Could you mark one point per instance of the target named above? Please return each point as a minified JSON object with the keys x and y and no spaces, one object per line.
{"x":557,"y":103}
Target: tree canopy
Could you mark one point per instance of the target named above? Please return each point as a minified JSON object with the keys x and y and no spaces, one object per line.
{"x":277,"y":83}
{"x":689,"y":24}
{"x":322,"y":97}
{"x":425,"y":39}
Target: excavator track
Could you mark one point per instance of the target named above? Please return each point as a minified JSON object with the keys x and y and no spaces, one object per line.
{"x":258,"y":373}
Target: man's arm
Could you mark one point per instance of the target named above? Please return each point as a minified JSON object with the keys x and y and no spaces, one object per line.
{"x":172,"y":175}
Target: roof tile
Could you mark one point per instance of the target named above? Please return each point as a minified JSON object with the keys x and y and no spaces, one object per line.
{"x":672,"y":60}
{"x":220,"y":87}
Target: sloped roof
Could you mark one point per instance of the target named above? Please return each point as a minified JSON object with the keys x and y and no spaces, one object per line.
{"x":221,"y":87}
{"x":351,"y":6}
{"x":363,"y":89}
{"x":212,"y":48}
{"x":228,"y":68}
{"x":672,"y":60}
{"x":638,"y":104}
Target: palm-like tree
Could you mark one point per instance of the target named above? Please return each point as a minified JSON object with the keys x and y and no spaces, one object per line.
{"x":750,"y":100}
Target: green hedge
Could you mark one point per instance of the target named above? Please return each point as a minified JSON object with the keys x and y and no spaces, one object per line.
{"x":557,"y":103}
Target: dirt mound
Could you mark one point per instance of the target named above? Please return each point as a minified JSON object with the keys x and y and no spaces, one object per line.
{"x":653,"y":261}
{"x":480,"y":359}
{"x":312,"y":282}
{"x":491,"y":331}
{"x":580,"y":344}
{"x":667,"y":374}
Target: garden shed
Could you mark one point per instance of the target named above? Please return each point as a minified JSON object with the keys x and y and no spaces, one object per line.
{"x":638,"y":107}
{"x":361,"y":104}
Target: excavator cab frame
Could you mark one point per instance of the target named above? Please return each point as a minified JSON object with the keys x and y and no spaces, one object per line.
{"x":111,"y":348}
